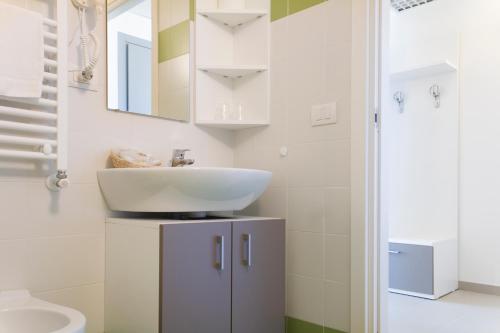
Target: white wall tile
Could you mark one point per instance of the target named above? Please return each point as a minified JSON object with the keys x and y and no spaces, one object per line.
{"x":42,"y":264}
{"x":338,"y":80}
{"x":337,"y":306}
{"x":245,"y":157}
{"x":13,"y":201}
{"x":279,"y":39}
{"x":337,"y":154}
{"x":24,"y":171}
{"x":306,"y":60}
{"x":88,"y":153}
{"x":164,"y":14}
{"x":174,"y":73}
{"x":307,"y":33}
{"x":263,"y":158}
{"x":305,"y":254}
{"x":306,"y":165}
{"x":305,"y":299}
{"x":180,"y":11}
{"x":338,"y":18}
{"x":269,"y":159}
{"x":209,"y":146}
{"x":305,"y":90}
{"x":337,"y":211}
{"x":271,"y":204}
{"x":337,"y":259}
{"x":306,"y":209}
{"x":244,"y":141}
{"x":78,"y":210}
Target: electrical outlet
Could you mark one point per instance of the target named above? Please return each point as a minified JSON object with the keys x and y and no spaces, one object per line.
{"x":324,"y":114}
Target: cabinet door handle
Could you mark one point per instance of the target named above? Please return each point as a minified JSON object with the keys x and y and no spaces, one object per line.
{"x":247,"y":250}
{"x":219,"y":252}
{"x":394,"y":252}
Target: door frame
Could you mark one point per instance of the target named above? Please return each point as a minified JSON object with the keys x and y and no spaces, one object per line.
{"x":378,"y":235}
{"x":369,"y":78}
{"x":382,"y":202}
{"x":364,"y":106}
{"x":123,"y":40}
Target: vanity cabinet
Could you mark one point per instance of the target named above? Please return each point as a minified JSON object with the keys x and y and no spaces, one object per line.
{"x":196,"y":278}
{"x":258,"y":302}
{"x":210,"y":276}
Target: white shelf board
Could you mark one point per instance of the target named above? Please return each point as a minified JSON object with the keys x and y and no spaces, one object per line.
{"x":233,"y":17}
{"x":233,"y":71}
{"x":421,"y":241}
{"x":423,"y":71}
{"x":231,"y":124}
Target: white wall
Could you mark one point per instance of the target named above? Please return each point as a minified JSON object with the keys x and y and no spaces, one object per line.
{"x":53,"y":244}
{"x":310,"y":62}
{"x":479,"y":212}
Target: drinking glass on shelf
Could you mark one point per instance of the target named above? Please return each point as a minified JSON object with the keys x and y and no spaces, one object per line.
{"x":221,"y":111}
{"x":236,"y":112}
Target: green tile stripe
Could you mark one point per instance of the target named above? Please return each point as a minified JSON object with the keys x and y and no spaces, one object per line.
{"x":299,"y":326}
{"x":295,"y":6}
{"x":331,"y":330}
{"x":192,"y":10}
{"x":279,"y":9}
{"x":283,"y":8}
{"x":173,"y":41}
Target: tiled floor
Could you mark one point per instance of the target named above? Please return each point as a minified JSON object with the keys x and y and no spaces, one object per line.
{"x":459,"y":312}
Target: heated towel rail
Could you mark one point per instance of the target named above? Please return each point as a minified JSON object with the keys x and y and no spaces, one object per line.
{"x":37,"y":129}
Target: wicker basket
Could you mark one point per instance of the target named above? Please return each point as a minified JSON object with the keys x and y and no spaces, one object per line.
{"x":120,"y":159}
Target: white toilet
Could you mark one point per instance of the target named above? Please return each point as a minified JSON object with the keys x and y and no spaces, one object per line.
{"x":21,"y":313}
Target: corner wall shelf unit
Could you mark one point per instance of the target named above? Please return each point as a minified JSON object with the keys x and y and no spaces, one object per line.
{"x":233,"y":71}
{"x":436,"y":68}
{"x":232,"y":62}
{"x":233,"y":17}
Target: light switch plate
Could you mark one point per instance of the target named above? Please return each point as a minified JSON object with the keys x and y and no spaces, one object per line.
{"x":324,"y":114}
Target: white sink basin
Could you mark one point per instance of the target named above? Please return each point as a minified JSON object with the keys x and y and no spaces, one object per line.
{"x":182,"y":189}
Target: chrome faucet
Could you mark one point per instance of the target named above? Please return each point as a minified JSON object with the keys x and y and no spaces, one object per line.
{"x":178,"y":159}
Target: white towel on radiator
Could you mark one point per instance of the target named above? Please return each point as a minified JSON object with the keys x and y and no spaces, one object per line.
{"x":21,"y":52}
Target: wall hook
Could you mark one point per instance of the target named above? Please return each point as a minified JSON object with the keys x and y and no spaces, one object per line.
{"x":399,"y":97}
{"x":435,"y":92}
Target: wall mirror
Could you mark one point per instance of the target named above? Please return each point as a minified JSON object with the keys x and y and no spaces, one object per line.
{"x":149,"y":63}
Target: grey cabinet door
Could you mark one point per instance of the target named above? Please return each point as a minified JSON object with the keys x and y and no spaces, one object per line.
{"x":258,"y":276}
{"x":411,"y":268}
{"x":196,"y":278}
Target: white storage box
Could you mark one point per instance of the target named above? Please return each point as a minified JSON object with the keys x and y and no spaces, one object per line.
{"x":423,"y":268}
